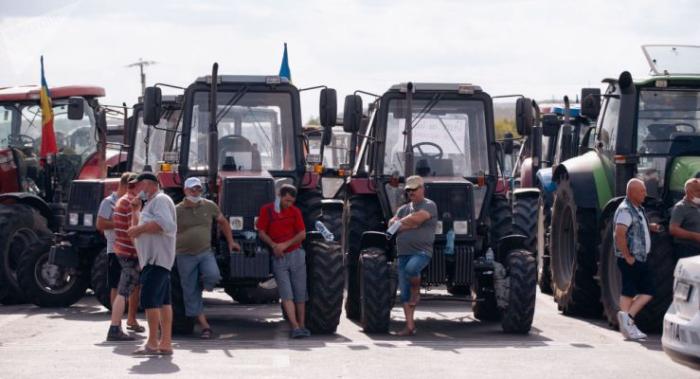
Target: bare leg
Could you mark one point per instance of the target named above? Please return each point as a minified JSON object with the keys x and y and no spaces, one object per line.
{"x":153,"y":318}
{"x":166,"y":319}
{"x":112,"y":295}
{"x":415,"y":290}
{"x":288,"y":306}
{"x":133,"y":306}
{"x":118,"y":306}
{"x":301,"y":313}
{"x":202,"y":320}
{"x":408,"y":310}
{"x":638,"y":303}
{"x":625,"y":303}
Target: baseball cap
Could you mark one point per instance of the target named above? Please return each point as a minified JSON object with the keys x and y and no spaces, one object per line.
{"x":144,"y":176}
{"x":193,"y":182}
{"x":413,"y":182}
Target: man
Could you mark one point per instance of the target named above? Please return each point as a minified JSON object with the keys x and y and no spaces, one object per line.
{"x":154,"y":235}
{"x":685,"y":221}
{"x":281,"y":226}
{"x":416,"y":222}
{"x":125,"y":252}
{"x":195,"y":258}
{"x":632,"y":245}
{"x":106,"y":226}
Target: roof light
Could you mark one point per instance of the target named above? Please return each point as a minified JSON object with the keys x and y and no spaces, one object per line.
{"x":465,"y":89}
{"x":273,"y":80}
{"x":661,"y":83}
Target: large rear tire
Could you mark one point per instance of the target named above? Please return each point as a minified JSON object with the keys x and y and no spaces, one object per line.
{"x":661,"y":262}
{"x":17,"y":233}
{"x":574,"y":251}
{"x":362,"y":213}
{"x":324,"y":262}
{"x":375,"y":291}
{"x":544,"y":234}
{"x":98,"y":279}
{"x":333,"y":219}
{"x":501,"y":218}
{"x":522,"y":274}
{"x":525,"y":217}
{"x":310,"y":204}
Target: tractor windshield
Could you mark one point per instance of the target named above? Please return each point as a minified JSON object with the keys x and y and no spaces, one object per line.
{"x":151,"y":143}
{"x":448,"y":137}
{"x":256,"y":132}
{"x":7,"y":115}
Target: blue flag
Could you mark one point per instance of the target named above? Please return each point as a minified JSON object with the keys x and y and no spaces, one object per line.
{"x":284,"y":68}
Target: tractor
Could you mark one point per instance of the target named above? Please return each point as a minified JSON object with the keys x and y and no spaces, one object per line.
{"x":648,"y":129}
{"x":243,"y":136}
{"x":446,"y":134}
{"x":34,"y":192}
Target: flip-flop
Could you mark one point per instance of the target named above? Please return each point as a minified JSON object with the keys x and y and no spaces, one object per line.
{"x":206,"y":334}
{"x":165,"y":352}
{"x":136,"y":328}
{"x":144,"y":351}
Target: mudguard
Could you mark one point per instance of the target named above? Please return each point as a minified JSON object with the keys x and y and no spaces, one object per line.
{"x":611,"y":207}
{"x":375,"y":239}
{"x":526,"y":192}
{"x":31,"y":200}
{"x":589,"y":178}
{"x":332,"y":205}
{"x":526,"y":173}
{"x":510,"y":243}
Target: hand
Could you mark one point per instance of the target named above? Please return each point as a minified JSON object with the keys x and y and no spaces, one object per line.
{"x":278,"y":249}
{"x":654,"y":227}
{"x":134,"y":231}
{"x":630,"y":260}
{"x":136,"y":203}
{"x":234,"y":246}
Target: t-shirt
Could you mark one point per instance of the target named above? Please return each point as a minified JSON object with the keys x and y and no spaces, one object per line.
{"x":194,"y":226}
{"x":686,"y":215}
{"x":158,"y":248}
{"x":123,"y":244}
{"x":282,"y":226}
{"x":412,"y":241}
{"x":625,"y":218}
{"x":105,"y":211}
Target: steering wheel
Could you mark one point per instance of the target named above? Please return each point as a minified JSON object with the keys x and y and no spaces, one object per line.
{"x":435,"y":156}
{"x":21,"y":139}
{"x":684,"y":125}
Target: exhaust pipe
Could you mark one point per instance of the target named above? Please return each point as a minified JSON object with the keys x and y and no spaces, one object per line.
{"x":213,"y":135}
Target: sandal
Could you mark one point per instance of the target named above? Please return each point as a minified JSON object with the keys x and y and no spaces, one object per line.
{"x":136,"y":328}
{"x":165,"y":352}
{"x":206,"y":334}
{"x":407,"y":332}
{"x":146,"y":351}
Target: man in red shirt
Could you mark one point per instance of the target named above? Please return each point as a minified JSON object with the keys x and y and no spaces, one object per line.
{"x":128,"y":281}
{"x":281,"y":227}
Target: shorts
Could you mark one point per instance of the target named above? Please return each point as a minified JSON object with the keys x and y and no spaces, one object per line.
{"x":636,"y":279}
{"x":129,"y":278}
{"x":290,"y":274}
{"x":114,"y":271}
{"x":410,"y":266}
{"x":155,"y":287}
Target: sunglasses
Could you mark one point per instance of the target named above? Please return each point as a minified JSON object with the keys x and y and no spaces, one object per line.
{"x":411,"y":190}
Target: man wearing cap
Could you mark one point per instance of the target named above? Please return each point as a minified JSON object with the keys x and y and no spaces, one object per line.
{"x":417,"y":220}
{"x":196,"y":263}
{"x":154,"y":235}
{"x":685,"y":221}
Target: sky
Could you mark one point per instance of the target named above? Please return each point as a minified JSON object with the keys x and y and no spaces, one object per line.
{"x":542,"y":49}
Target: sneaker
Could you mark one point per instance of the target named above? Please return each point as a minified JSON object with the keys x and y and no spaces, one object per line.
{"x":297,"y":333}
{"x":307,"y":332}
{"x":119,"y":337}
{"x":637,"y":334}
{"x":623,"y":323}
{"x":269,"y":284}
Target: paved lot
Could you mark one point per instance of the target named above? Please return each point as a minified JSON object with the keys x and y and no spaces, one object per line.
{"x":252,"y":342}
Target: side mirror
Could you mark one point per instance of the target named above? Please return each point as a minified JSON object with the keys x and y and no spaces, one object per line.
{"x":327,"y":136}
{"x":352,"y":113}
{"x":508,"y":143}
{"x":76,"y":108}
{"x":328,"y":107}
{"x":152,"y":105}
{"x":590,"y":102}
{"x":524,"y":116}
{"x":550,"y":125}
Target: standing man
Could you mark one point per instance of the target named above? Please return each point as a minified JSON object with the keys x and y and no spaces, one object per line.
{"x":417,"y":220}
{"x":196,"y":262}
{"x":281,"y":227}
{"x":632,"y":246}
{"x":154,"y":236}
{"x":105,"y":224}
{"x":129,"y":267}
{"x":685,"y":221}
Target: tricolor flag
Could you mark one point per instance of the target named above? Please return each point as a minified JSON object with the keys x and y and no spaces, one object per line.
{"x":285,"y":72}
{"x":48,"y":138}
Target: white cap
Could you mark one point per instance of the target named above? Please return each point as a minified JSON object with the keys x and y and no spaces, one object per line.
{"x":193,"y":182}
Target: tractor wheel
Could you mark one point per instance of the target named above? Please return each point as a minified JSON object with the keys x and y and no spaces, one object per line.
{"x":662,"y":263}
{"x":333,"y":219}
{"x":375,"y":291}
{"x":98,"y":279}
{"x":325,"y":284}
{"x":182,"y":324}
{"x":48,"y":285}
{"x":573,"y":261}
{"x":486,"y":310}
{"x":501,"y":217}
{"x":361,"y":214}
{"x":522,"y":274}
{"x":525,"y":212}
{"x":310,"y":204}
{"x":544,"y":231}
{"x":253,"y":295}
{"x":18,"y":223}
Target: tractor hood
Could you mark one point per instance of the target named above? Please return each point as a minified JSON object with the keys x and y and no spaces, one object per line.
{"x":682,"y":169}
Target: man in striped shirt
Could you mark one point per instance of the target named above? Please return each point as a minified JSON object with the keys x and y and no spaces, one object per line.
{"x":128,"y":281}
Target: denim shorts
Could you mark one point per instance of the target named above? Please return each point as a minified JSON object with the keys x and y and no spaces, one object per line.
{"x":155,"y":287}
{"x":290,"y":274}
{"x":197,"y":273}
{"x":410,"y":266}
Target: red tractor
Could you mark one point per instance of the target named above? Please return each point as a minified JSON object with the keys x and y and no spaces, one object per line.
{"x":34,"y":194}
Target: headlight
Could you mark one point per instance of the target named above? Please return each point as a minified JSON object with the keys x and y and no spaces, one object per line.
{"x":236,"y":222}
{"x":461,"y":227}
{"x":438,"y":227}
{"x":73,"y":219}
{"x":87,"y":219}
{"x":255,"y":223}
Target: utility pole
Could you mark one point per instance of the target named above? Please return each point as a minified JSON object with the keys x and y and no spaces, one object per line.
{"x":140,"y":64}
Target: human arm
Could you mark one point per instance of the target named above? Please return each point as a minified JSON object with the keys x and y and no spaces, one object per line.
{"x":414,"y":220}
{"x":104,"y":215}
{"x":677,"y":231}
{"x":103,"y":224}
{"x":621,"y":243}
{"x":162,"y":218}
{"x":225,"y":229}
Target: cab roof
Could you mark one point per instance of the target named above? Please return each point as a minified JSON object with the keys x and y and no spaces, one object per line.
{"x":29,"y":93}
{"x":248,"y":79}
{"x":446,"y":87}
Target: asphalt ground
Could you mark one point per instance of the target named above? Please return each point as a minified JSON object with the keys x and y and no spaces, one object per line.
{"x":252,"y":341}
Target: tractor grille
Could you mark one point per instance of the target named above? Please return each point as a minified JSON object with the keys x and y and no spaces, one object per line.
{"x":83,"y":202}
{"x":243,"y":197}
{"x":457,"y":266}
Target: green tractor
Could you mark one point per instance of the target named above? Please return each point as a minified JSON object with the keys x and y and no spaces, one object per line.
{"x":648,"y":129}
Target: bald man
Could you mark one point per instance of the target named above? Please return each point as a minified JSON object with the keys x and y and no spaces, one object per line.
{"x":685,"y":221}
{"x":632,"y":245}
